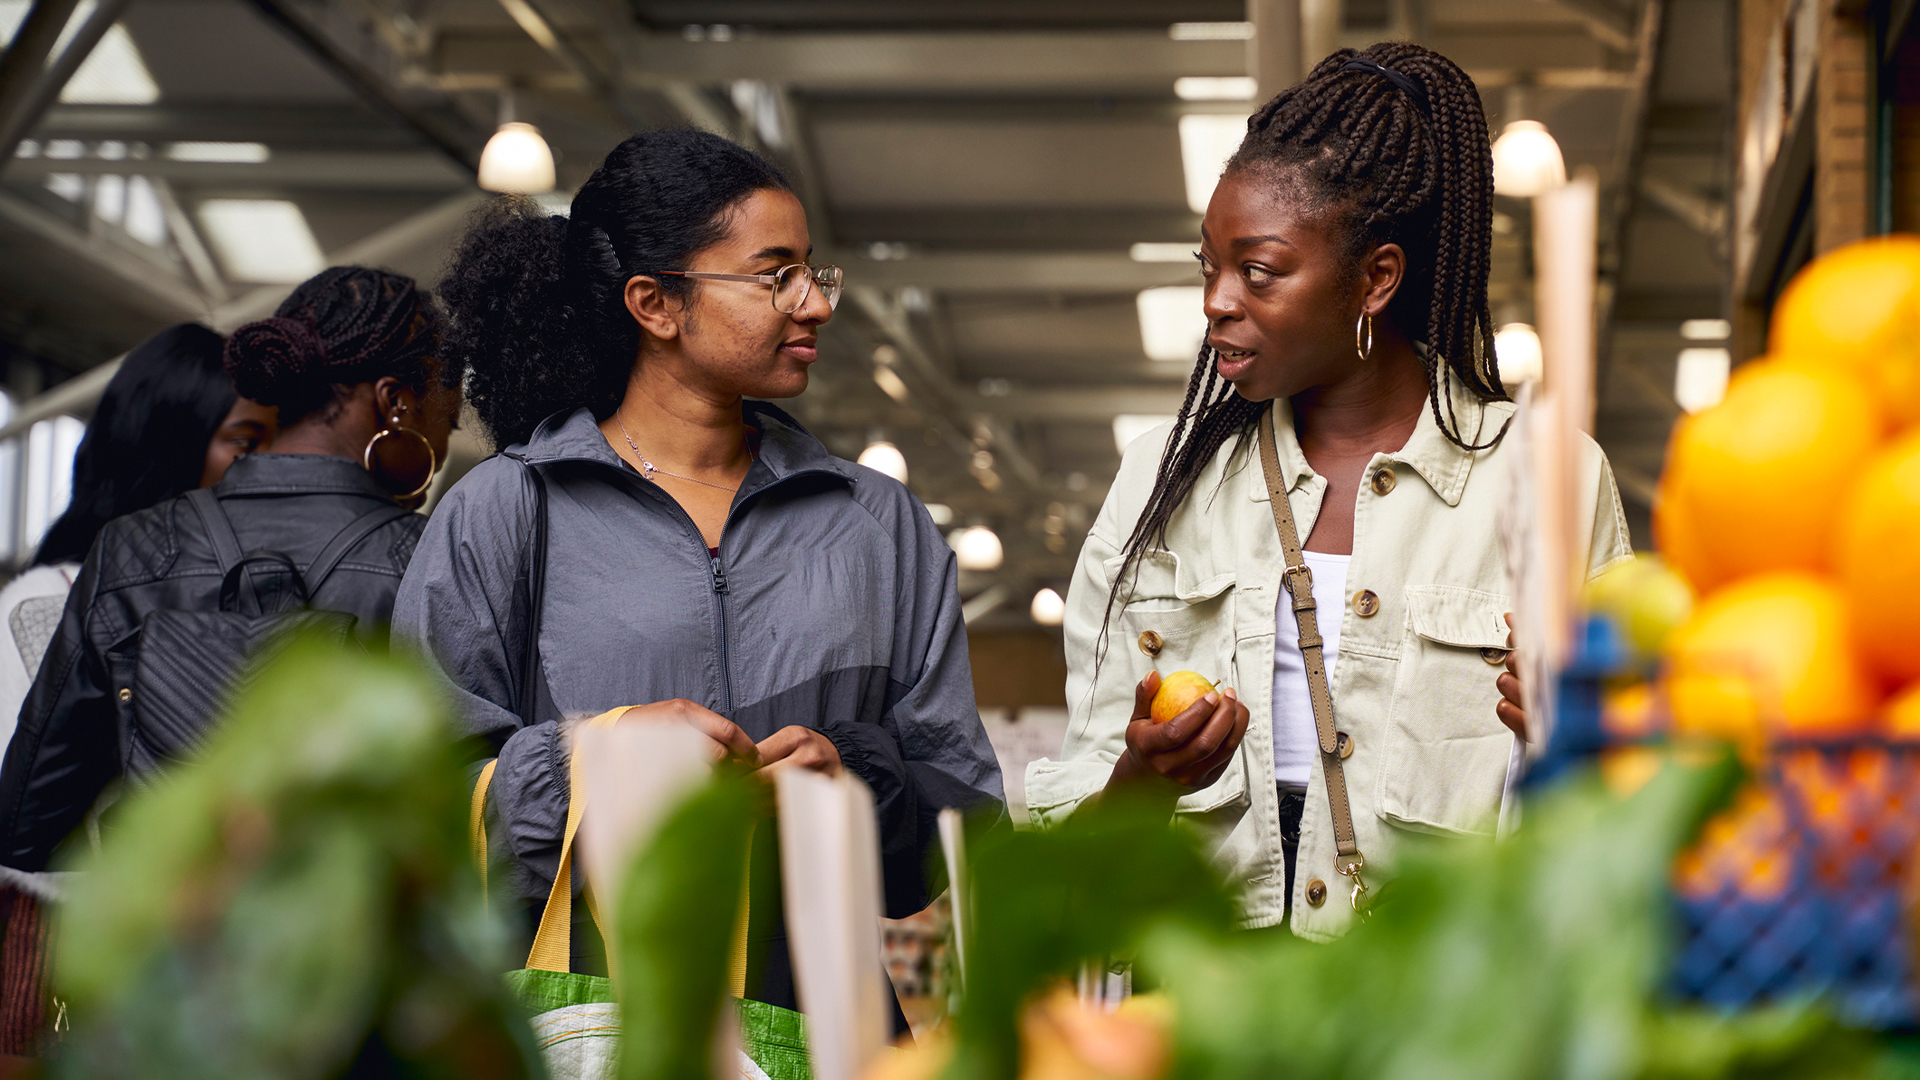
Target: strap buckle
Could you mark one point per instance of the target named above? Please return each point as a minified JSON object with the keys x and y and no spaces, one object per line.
{"x":1350,"y":867}
{"x":1306,"y":577}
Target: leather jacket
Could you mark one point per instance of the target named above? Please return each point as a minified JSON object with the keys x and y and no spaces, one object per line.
{"x":67,"y":748}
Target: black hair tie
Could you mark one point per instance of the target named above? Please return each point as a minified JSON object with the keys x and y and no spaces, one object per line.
{"x":1407,"y":86}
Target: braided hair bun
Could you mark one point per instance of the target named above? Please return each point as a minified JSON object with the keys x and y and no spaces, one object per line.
{"x":343,"y":326}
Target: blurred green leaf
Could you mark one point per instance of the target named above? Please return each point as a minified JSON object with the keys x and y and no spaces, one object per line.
{"x":1537,"y":957}
{"x":1047,"y":901}
{"x":299,"y":900}
{"x":679,"y":907}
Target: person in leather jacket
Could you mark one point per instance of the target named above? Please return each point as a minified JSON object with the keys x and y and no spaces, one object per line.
{"x":351,"y":362}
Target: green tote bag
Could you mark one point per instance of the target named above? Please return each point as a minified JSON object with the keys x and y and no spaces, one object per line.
{"x":576,"y":1018}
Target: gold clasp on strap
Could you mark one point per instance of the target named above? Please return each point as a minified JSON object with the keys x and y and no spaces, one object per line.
{"x":1350,"y":867}
{"x":1305,"y":573}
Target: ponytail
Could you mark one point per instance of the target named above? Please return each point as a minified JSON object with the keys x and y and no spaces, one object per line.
{"x":540,"y":320}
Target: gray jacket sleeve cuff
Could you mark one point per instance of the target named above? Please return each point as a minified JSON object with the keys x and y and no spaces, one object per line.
{"x":527,"y":808}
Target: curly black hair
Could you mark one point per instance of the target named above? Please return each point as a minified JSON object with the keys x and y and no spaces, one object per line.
{"x":342,"y":326}
{"x":538,"y":302}
{"x":1391,"y":142}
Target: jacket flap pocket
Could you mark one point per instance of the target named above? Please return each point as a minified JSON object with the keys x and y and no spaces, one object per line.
{"x":1451,"y":615}
{"x":1163,"y":575}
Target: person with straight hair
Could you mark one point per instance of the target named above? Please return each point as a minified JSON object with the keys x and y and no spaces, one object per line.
{"x":169,"y":421}
{"x":351,"y":362}
{"x":1316,"y":529}
{"x":696,"y":554}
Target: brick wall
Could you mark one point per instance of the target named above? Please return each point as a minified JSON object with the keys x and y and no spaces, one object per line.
{"x":1842,"y":151}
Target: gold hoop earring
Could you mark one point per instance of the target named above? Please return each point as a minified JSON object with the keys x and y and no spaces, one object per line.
{"x":396,"y":477}
{"x":1363,"y":336}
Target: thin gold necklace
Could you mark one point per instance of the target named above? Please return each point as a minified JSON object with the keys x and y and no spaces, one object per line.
{"x":648,"y":468}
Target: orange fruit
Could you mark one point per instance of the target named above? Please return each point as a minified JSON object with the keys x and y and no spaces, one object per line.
{"x":1857,"y":308}
{"x":1177,"y":692}
{"x":1903,"y":713}
{"x":1770,"y":655}
{"x":1746,"y":849}
{"x":1753,"y":484}
{"x":1877,"y":555}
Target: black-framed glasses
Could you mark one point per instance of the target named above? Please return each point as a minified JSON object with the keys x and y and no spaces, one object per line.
{"x":791,"y":284}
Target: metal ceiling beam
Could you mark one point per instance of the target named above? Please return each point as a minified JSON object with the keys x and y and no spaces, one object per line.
{"x":19,"y":119}
{"x":1015,"y":271}
{"x":965,"y":61}
{"x":1604,"y":20}
{"x":289,"y":125}
{"x":345,"y":169}
{"x":156,"y":286}
{"x":26,"y":58}
{"x":433,"y":227}
{"x":459,"y":141}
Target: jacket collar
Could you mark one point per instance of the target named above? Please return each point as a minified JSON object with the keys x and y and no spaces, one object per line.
{"x":297,"y":474}
{"x":1428,"y":451}
{"x":786,"y":448}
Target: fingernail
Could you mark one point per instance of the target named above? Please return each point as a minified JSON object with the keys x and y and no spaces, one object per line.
{"x":1212,"y":698}
{"x":1231,"y":696}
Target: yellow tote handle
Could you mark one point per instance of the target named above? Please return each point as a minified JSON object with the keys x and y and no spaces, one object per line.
{"x":477,"y":821}
{"x":553,"y":942}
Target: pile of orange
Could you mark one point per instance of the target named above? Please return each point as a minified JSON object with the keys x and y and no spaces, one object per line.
{"x":1793,"y":509}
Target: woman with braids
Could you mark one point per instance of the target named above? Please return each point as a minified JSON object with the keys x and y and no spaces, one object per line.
{"x":350,"y":360}
{"x":1345,"y":257}
{"x":698,"y":557}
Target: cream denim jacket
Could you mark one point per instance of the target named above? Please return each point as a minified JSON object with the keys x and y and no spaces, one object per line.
{"x":1412,"y":687}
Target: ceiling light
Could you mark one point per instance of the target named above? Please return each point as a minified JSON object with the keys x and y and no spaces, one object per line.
{"x":236,"y":153}
{"x":1526,"y":160}
{"x":1207,"y":140}
{"x":262,"y":240}
{"x":941,"y":513}
{"x":517,"y":160}
{"x":1172,"y":324}
{"x":146,"y":219}
{"x":1048,"y":609}
{"x":1706,"y":329}
{"x":885,"y":459}
{"x":1700,"y":378}
{"x":1130,"y":426}
{"x":1215,"y":88}
{"x":1161,"y":253}
{"x":1211,"y":31}
{"x":976,"y":548}
{"x":1517,"y":346}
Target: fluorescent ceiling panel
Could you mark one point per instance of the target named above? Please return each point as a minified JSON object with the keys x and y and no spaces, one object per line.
{"x":1215,"y":87}
{"x":1162,"y":253}
{"x":262,"y":240}
{"x":235,"y":153}
{"x":1172,"y":324}
{"x":1207,"y":140}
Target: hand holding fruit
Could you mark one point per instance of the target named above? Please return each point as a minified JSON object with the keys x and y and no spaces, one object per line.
{"x":1193,"y":746}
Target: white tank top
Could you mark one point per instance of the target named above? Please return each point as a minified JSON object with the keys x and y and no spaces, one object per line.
{"x":1295,"y":741}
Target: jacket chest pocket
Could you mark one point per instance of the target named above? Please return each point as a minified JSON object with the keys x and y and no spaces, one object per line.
{"x":1170,"y":623}
{"x":1446,"y":752}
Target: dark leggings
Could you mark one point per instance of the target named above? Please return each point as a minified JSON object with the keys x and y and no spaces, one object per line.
{"x":1293,"y":801}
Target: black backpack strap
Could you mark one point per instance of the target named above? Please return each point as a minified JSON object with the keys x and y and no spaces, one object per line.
{"x":226,"y":543}
{"x":324,"y":564}
{"x":536,"y":585}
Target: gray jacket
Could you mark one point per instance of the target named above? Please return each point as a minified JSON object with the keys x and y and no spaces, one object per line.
{"x":831,"y":604}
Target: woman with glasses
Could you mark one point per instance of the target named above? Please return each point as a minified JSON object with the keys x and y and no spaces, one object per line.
{"x":655,"y":535}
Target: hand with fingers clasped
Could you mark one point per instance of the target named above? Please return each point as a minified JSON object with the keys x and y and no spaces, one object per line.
{"x":1188,"y":752}
{"x":1511,"y":708}
{"x":792,"y":747}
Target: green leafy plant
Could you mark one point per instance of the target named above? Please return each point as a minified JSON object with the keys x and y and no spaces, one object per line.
{"x":297,"y":901}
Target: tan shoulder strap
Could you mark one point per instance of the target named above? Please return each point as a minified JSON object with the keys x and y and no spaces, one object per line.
{"x":1299,"y":580}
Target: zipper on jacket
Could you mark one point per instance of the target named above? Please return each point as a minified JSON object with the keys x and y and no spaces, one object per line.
{"x":720,"y":600}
